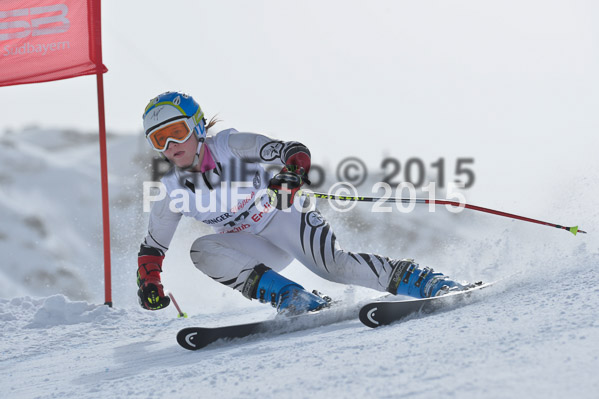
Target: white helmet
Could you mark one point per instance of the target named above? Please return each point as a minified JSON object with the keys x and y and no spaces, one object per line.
{"x":169,"y":107}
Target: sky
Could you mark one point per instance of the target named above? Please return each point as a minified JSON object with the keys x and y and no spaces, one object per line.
{"x":511,"y":84}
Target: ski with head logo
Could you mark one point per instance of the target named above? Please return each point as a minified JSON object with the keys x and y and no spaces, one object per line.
{"x":379,"y":313}
{"x":194,"y":338}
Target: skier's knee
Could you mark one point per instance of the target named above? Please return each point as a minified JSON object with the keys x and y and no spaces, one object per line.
{"x":200,"y":250}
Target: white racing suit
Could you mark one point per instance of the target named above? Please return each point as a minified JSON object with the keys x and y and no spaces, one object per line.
{"x":248,"y":231}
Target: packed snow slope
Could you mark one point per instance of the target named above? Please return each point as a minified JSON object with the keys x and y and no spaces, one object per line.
{"x":534,"y":334}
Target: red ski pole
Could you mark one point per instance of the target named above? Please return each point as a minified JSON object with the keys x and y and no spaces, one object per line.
{"x":574,"y":229}
{"x":181,"y":314}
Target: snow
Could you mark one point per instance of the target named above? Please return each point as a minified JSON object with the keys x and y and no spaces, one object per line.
{"x":526,"y":338}
{"x":535,"y":334}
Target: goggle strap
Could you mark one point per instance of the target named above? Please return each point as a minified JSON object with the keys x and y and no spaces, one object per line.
{"x":198,"y":116}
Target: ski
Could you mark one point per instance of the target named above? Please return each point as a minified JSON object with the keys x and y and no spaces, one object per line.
{"x":194,"y":338}
{"x":381,"y":313}
{"x":372,"y":314}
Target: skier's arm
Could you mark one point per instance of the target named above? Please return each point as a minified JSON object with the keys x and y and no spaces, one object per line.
{"x":162,"y":225}
{"x":251,"y":147}
{"x":161,"y":228}
{"x":293,"y":155}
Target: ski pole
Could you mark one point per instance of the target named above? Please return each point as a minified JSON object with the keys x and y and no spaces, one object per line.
{"x":573,"y":229}
{"x":181,"y":314}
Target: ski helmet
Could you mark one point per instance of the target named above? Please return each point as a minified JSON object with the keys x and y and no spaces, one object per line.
{"x":173,"y":108}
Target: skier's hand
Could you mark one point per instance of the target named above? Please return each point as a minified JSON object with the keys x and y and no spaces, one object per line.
{"x":299,"y":171}
{"x":285,"y":185}
{"x":151,"y":292}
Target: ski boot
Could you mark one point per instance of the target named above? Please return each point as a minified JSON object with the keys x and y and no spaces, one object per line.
{"x":287,"y":297}
{"x":408,"y":279}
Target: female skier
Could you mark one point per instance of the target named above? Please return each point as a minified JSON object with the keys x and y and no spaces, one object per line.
{"x":219,"y":180}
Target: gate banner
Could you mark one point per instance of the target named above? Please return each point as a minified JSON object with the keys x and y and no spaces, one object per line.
{"x":45,"y":40}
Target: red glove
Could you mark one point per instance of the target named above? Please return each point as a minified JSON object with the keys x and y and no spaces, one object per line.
{"x":289,"y":181}
{"x":299,"y":163}
{"x":151,"y":292}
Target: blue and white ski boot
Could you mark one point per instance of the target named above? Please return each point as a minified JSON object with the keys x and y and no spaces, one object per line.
{"x":287,"y":297}
{"x":408,"y":279}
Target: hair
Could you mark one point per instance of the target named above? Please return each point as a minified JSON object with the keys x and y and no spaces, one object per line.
{"x":213,"y":121}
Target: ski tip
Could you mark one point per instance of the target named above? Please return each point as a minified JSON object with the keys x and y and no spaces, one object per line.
{"x":368,"y":315}
{"x":194,"y":338}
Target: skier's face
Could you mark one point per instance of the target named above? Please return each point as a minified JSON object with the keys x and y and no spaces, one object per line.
{"x":182,"y":154}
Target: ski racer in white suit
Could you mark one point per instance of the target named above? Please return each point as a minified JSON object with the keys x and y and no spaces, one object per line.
{"x":220,"y":181}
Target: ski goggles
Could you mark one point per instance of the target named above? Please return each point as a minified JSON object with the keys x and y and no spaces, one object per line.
{"x":177,"y":130}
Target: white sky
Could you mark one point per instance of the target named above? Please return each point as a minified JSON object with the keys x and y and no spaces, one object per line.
{"x":513,"y":84}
